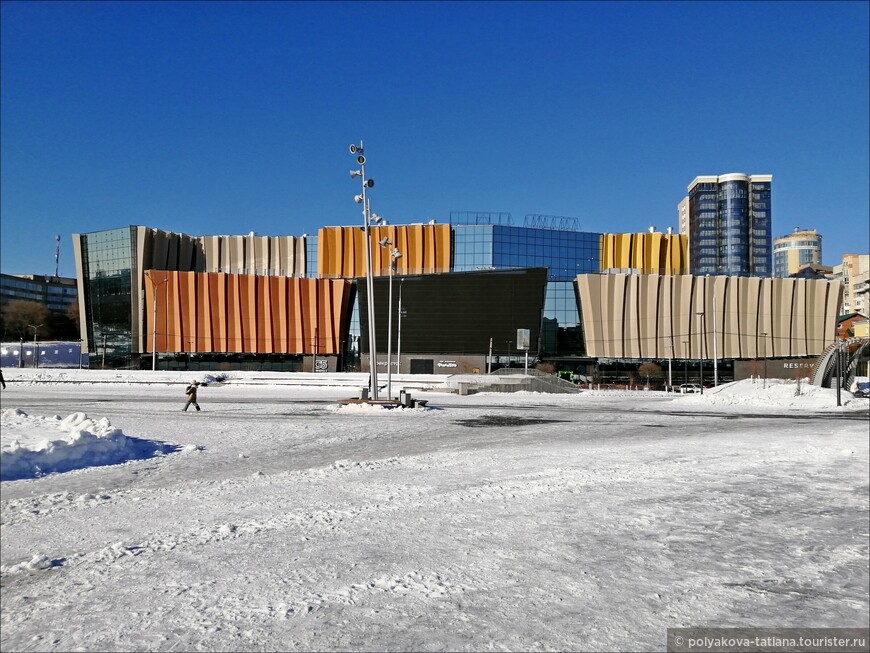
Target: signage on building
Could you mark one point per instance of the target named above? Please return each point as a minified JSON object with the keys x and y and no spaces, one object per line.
{"x":522,"y":339}
{"x":321,"y":365}
{"x":447,"y":364}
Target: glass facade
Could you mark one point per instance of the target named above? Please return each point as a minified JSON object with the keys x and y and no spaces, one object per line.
{"x":56,"y":293}
{"x":729,"y":227}
{"x":760,"y":242}
{"x":108,"y":269}
{"x":564,"y":253}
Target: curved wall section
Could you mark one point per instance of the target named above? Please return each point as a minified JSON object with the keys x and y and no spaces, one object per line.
{"x":684,"y":316}
{"x":425,"y":249}
{"x":230,"y":313}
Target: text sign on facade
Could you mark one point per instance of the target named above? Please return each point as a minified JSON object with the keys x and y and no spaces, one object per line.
{"x":522,"y":339}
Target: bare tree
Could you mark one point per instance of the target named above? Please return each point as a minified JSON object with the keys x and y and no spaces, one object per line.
{"x":648,"y":370}
{"x":19,"y":315}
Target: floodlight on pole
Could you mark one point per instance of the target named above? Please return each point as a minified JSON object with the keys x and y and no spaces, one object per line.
{"x":395,"y":255}
{"x":363,"y":199}
{"x":715,"y":331}
{"x":700,"y":314}
{"x":35,"y":328}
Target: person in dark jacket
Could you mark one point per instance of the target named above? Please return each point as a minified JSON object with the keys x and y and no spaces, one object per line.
{"x":2,"y":380}
{"x":191,"y":396}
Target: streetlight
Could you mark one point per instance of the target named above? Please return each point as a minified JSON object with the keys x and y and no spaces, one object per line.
{"x":686,"y":361}
{"x":704,"y":336}
{"x":395,"y":255}
{"x":670,"y":375}
{"x":367,"y":219}
{"x":715,"y":355}
{"x":399,"y":344}
{"x":764,"y":356}
{"x":154,"y":288}
{"x":35,"y":348}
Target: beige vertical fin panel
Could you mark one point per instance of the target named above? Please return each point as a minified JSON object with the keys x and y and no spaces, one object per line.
{"x":798,"y":315}
{"x":615,"y":324}
{"x":799,"y":323}
{"x":589,"y":294}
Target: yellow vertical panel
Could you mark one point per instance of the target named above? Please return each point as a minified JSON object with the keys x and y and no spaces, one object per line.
{"x":444,"y":248}
{"x":429,"y":238}
{"x":417,"y":254}
{"x":624,"y":254}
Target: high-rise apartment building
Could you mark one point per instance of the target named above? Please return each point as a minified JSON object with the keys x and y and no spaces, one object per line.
{"x":854,"y":273}
{"x":729,"y":219}
{"x":798,"y":249}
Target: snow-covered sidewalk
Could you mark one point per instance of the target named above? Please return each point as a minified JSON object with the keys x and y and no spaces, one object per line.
{"x":278,"y":520}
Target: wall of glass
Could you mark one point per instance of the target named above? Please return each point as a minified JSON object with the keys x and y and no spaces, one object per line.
{"x":565,"y":254}
{"x":108,"y":267}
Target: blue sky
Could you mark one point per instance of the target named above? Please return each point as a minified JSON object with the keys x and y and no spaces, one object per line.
{"x":225,"y":118}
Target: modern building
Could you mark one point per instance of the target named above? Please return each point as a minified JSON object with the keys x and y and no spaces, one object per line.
{"x":689,"y":317}
{"x":55,"y":293}
{"x":796,"y":250}
{"x":728,"y":225}
{"x":458,"y":296}
{"x":853,"y":272}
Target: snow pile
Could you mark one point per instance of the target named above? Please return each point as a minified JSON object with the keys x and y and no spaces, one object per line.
{"x":375,"y":409}
{"x":88,"y":443}
{"x":778,"y":393}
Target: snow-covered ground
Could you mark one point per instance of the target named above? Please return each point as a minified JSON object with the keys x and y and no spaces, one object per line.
{"x":279,"y":519}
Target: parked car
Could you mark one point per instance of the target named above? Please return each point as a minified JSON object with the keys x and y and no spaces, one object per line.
{"x":686,"y":388}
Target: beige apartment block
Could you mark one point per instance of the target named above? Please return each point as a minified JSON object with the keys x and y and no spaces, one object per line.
{"x":692,"y":317}
{"x":853,"y":272}
{"x":796,"y":250}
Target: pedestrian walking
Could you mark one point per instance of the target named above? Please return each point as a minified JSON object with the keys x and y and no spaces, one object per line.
{"x":191,"y":396}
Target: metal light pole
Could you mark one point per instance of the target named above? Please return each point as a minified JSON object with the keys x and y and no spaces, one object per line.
{"x":670,"y":374}
{"x":686,"y":361}
{"x":704,"y":336}
{"x":154,"y":322}
{"x":362,"y":199}
{"x":764,"y":356}
{"x":839,"y":374}
{"x":35,"y":347}
{"x":395,"y":255}
{"x":715,"y":330}
{"x":399,"y":344}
